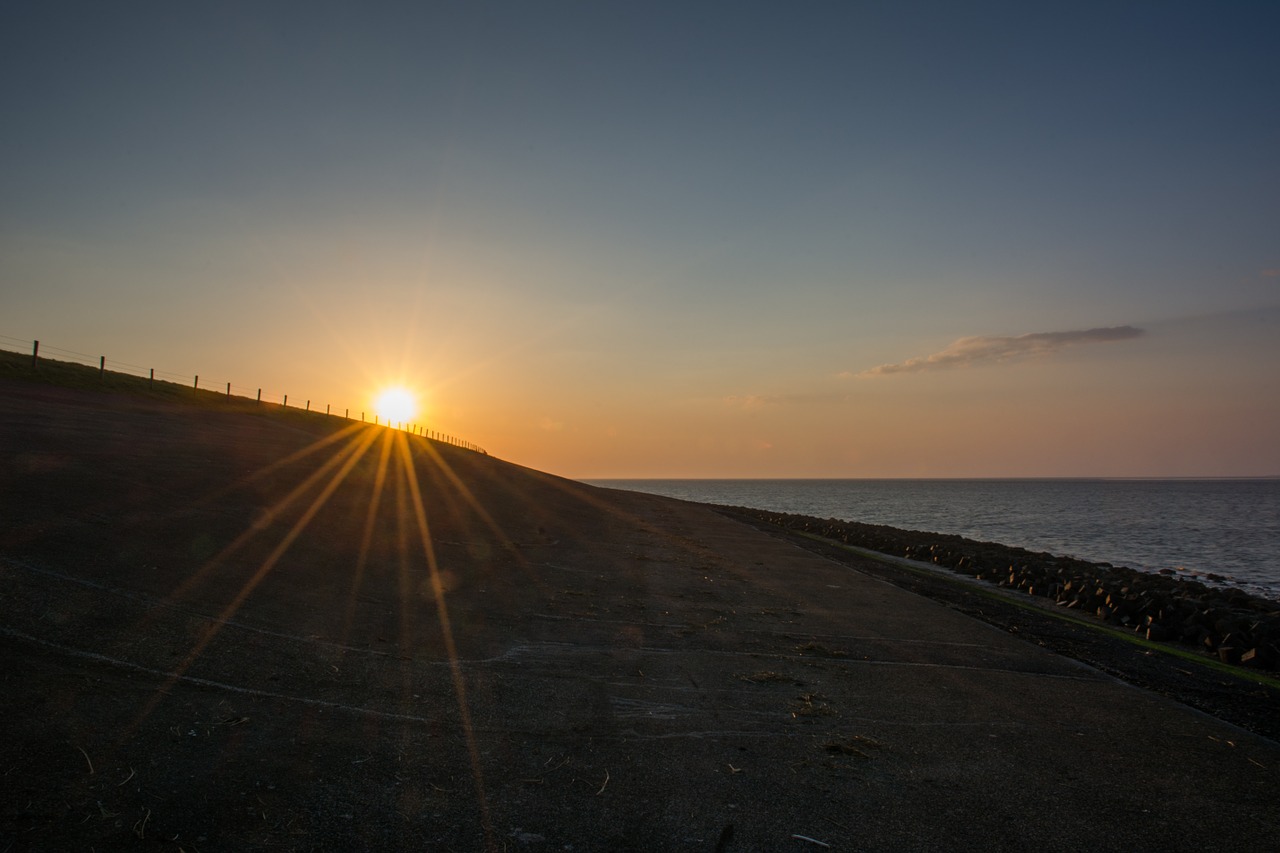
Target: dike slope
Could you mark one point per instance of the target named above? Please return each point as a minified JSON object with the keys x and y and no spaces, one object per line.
{"x":228,"y":630}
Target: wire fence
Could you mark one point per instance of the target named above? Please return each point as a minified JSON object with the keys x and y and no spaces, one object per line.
{"x":43,"y":352}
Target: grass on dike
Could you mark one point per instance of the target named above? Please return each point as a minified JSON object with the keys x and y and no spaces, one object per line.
{"x":83,"y":377}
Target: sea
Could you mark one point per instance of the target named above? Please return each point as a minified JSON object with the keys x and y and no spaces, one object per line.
{"x":1227,"y":527}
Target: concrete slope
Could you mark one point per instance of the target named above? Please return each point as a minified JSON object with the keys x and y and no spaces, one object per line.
{"x":228,"y":630}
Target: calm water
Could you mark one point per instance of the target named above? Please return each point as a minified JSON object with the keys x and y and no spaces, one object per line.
{"x":1231,"y":527}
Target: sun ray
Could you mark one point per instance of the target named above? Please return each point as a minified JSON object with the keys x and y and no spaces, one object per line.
{"x":273,"y":511}
{"x":442,"y":610}
{"x":314,"y":447}
{"x":404,"y":579}
{"x":292,"y":535}
{"x":216,"y":624}
{"x":470,"y":498}
{"x":366,"y":538}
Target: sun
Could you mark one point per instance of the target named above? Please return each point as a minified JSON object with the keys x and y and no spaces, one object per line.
{"x":395,"y":405}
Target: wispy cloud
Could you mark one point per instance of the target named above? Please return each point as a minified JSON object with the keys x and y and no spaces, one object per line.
{"x":992,"y":349}
{"x":752,"y":402}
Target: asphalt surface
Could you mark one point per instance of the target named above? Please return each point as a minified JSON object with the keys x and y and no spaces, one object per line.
{"x":230,"y":629}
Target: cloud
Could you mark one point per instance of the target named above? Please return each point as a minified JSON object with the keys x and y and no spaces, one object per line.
{"x":753,"y":402}
{"x":991,"y":349}
{"x":749,"y":401}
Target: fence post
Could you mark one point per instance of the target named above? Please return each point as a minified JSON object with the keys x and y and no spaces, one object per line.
{"x":286,"y":401}
{"x":102,"y":366}
{"x":197,"y":385}
{"x":35,"y":351}
{"x":346,"y":414}
{"x":326,"y":408}
{"x":308,"y":405}
{"x":228,"y":389}
{"x":259,"y":395}
{"x":151,"y":380}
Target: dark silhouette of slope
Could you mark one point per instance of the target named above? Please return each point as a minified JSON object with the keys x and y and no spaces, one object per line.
{"x":225,"y":628}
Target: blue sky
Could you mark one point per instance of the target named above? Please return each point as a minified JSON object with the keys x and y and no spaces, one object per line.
{"x":613,"y":239}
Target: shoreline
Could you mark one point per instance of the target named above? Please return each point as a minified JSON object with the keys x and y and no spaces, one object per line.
{"x":1187,"y":673}
{"x":1191,"y":526}
{"x":1224,"y":622}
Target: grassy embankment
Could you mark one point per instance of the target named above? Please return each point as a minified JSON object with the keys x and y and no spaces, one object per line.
{"x":83,"y":377}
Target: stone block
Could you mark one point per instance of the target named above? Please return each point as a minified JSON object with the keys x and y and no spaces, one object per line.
{"x":1259,"y":657}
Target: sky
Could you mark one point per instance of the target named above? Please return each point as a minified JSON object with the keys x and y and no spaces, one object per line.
{"x":613,"y":240}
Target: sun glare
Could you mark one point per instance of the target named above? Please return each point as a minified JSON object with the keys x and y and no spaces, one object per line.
{"x":395,"y":405}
